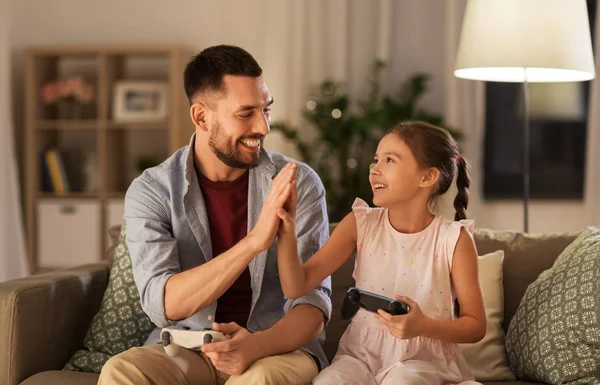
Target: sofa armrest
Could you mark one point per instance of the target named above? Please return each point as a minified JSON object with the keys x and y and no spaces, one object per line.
{"x":44,"y":318}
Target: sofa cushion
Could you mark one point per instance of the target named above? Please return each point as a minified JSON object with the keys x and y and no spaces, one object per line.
{"x":554,"y":336}
{"x":57,"y":377}
{"x":120,"y":323}
{"x":487,"y":358}
{"x":525,"y":257}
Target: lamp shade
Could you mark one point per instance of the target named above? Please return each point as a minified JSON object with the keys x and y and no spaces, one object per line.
{"x":518,"y":40}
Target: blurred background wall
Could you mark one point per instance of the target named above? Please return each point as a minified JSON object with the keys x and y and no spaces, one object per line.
{"x":298,"y":44}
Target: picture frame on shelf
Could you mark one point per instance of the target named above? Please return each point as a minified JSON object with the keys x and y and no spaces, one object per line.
{"x":135,"y":101}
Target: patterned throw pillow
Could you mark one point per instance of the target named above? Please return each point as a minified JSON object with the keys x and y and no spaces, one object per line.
{"x":555,"y":335}
{"x":120,"y":323}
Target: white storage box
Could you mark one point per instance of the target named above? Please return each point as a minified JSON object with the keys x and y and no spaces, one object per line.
{"x":68,"y":232}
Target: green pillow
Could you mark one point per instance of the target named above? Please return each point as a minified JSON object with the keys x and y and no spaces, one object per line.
{"x":555,"y":335}
{"x":120,"y":324}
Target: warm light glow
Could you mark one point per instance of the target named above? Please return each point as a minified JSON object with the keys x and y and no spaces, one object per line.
{"x":517,"y":74}
{"x":546,"y":40}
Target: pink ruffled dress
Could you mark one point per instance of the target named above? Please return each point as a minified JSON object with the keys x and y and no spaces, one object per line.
{"x":418,"y":266}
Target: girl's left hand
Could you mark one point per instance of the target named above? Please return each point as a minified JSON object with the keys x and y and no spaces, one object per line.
{"x":287,"y":214}
{"x":403,"y":326}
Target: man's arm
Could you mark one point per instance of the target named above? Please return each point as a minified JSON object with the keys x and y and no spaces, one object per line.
{"x":167,"y":293}
{"x":208,"y":281}
{"x":236,"y":354}
{"x":153,"y":250}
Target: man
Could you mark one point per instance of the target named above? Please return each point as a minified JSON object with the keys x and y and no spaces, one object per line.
{"x":201,"y":231}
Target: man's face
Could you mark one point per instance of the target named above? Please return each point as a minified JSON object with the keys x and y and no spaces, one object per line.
{"x":239,"y":121}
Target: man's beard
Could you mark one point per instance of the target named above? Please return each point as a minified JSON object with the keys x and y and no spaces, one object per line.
{"x":231,"y":156}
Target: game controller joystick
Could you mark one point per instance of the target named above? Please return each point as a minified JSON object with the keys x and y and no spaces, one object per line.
{"x":359,"y":299}
{"x":173,"y":338}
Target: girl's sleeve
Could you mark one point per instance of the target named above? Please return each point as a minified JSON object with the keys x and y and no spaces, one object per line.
{"x":361,"y":210}
{"x":453,"y":235}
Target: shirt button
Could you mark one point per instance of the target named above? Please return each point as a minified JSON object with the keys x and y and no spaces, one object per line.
{"x":210,"y":317}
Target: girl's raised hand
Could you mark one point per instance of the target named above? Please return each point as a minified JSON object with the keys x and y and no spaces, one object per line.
{"x":268,"y":222}
{"x":287,"y":213}
{"x":403,"y":326}
{"x":291,"y":203}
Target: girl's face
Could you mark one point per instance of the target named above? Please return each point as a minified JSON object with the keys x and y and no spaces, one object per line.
{"x":395,"y":176}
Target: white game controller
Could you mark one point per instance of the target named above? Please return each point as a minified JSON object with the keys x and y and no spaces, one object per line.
{"x":173,"y":338}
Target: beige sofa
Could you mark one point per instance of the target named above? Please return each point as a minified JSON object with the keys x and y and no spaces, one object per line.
{"x":44,"y":318}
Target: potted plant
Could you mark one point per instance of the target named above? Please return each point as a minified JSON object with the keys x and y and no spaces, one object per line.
{"x":346,"y":140}
{"x":70,"y":96}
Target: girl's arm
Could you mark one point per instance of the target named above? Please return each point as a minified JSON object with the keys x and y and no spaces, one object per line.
{"x":470,"y":326}
{"x":297,"y":279}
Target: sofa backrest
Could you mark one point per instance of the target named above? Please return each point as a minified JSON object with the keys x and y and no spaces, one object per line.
{"x":526,"y":256}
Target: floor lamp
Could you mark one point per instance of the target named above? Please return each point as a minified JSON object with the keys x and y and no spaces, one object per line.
{"x":525,"y":41}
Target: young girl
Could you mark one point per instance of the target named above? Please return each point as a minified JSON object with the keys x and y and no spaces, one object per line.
{"x":403,"y":251}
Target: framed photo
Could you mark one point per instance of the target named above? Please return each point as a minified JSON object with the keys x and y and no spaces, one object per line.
{"x":135,"y":101}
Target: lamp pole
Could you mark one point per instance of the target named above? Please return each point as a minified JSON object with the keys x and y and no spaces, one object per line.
{"x":526,"y":153}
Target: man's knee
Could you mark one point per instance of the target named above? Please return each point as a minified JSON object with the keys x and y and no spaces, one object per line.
{"x":292,"y":368}
{"x":142,"y":365}
{"x":261,"y":373}
{"x":121,"y":369}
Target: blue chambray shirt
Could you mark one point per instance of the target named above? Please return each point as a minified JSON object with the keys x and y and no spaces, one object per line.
{"x":168,"y":232}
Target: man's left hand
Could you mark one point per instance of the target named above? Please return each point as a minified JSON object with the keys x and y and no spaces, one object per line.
{"x":236,"y":354}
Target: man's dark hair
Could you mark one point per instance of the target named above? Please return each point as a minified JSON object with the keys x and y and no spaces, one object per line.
{"x":205,"y":71}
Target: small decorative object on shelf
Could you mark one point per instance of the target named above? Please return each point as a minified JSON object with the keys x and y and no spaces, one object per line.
{"x":54,"y":174}
{"x":140,"y":101}
{"x":91,"y":173}
{"x":70,"y":96}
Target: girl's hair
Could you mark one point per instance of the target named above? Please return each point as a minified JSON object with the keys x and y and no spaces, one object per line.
{"x":433,"y":146}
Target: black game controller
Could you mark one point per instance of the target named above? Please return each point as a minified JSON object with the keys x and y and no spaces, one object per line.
{"x":356,"y":299}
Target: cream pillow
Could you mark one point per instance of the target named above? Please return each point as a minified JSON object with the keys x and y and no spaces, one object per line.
{"x":487,"y":358}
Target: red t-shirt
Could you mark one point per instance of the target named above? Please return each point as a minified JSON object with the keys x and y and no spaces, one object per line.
{"x":227,"y":210}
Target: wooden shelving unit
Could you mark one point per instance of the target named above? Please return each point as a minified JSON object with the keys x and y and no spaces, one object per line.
{"x":70,"y":229}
